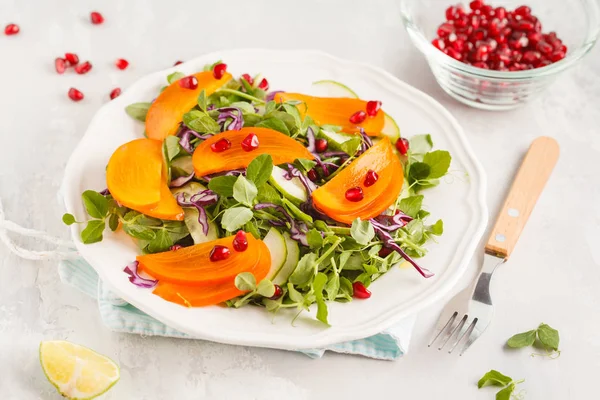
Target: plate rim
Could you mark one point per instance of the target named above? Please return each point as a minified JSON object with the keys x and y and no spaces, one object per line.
{"x":322,"y":338}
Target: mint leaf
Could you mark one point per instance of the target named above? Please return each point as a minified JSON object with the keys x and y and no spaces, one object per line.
{"x":175,"y":76}
{"x":494,"y":378}
{"x":505,"y":393}
{"x":362,"y":231}
{"x":68,"y":219}
{"x":548,"y":336}
{"x":200,"y":122}
{"x":202,"y":102}
{"x":138,"y":111}
{"x":222,"y":185}
{"x":305,"y":270}
{"x":259,"y":170}
{"x":96,"y":205}
{"x":439,"y":162}
{"x":265,"y":288}
{"x":93,"y":231}
{"x":420,"y":144}
{"x":162,"y":241}
{"x":268,"y":194}
{"x":411,"y":205}
{"x":522,"y":339}
{"x":318,"y":286}
{"x":171,"y":148}
{"x":244,"y":191}
{"x":245,"y":281}
{"x":314,"y":238}
{"x":275,"y":124}
{"x":236,"y":217}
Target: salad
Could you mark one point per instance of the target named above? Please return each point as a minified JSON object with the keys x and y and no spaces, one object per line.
{"x":240,"y":195}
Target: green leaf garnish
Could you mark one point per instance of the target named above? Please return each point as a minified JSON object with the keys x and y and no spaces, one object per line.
{"x":68,"y":219}
{"x":266,"y":288}
{"x":522,"y":339}
{"x":96,"y":205}
{"x":93,"y":231}
{"x":314,"y":239}
{"x":259,"y":170}
{"x":200,"y":122}
{"x":138,"y":111}
{"x":245,"y":281}
{"x":175,"y":76}
{"x":236,"y":217}
{"x":547,"y":336}
{"x":244,"y":191}
{"x":362,"y":231}
{"x":222,"y":185}
{"x":318,"y":286}
{"x":495,"y":378}
{"x":305,"y":270}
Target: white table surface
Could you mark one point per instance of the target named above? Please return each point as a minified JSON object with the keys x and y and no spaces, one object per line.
{"x":553,"y":276}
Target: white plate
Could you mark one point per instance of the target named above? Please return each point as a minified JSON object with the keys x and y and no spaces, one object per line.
{"x":459,"y":201}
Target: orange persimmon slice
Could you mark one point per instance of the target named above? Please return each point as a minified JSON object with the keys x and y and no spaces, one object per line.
{"x":167,"y":208}
{"x":199,"y":296}
{"x":281,"y":147}
{"x":335,"y":111}
{"x":133,"y":174}
{"x":331,"y":197}
{"x":167,"y":110}
{"x":191,"y":266}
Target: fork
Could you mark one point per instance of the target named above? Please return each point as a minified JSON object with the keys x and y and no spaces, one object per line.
{"x":469,"y":313}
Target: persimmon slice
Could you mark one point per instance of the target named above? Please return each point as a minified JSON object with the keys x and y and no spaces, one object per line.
{"x":282,"y":148}
{"x":336,"y":111}
{"x":167,"y":110}
{"x":167,"y":208}
{"x":331,"y":200}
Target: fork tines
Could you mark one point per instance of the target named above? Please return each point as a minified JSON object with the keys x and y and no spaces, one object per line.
{"x":460,"y":329}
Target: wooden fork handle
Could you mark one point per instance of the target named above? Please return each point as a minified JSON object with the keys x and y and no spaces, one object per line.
{"x":524,"y":193}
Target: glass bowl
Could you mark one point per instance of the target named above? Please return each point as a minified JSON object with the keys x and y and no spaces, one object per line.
{"x":576,"y":22}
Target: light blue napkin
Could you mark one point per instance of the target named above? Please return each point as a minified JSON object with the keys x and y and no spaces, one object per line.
{"x":120,"y":316}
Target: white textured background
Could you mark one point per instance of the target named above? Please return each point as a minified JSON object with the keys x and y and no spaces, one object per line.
{"x":553,"y":276}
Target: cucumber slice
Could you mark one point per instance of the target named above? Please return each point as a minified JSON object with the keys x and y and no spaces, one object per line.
{"x":391,"y":128}
{"x":341,"y":141}
{"x":183,"y":164}
{"x":291,"y":261}
{"x":276,"y":244}
{"x":191,"y":216}
{"x":293,"y":189}
{"x":328,"y":88}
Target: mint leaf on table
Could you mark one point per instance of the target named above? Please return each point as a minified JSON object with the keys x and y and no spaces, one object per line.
{"x":222,"y":185}
{"x":362,"y":231}
{"x":236,"y":217}
{"x":93,"y":231}
{"x":548,"y":336}
{"x":522,"y":339}
{"x":411,"y":205}
{"x":275,"y":124}
{"x":244,"y":191}
{"x":200,"y":122}
{"x":259,"y":170}
{"x":138,"y":111}
{"x":266,"y":288}
{"x":438,"y":162}
{"x":175,"y":76}
{"x":245,"y":281}
{"x":305,"y":270}
{"x":318,"y":286}
{"x":68,"y":219}
{"x":314,"y":239}
{"x":96,"y":205}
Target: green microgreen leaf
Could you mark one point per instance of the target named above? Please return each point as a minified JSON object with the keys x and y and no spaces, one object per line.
{"x":318,"y":286}
{"x":236,"y":217}
{"x":494,"y":378}
{"x":222,"y":185}
{"x":266,"y":288}
{"x":175,"y":76}
{"x":93,"y":231}
{"x":200,"y":122}
{"x":411,"y":205}
{"x":260,"y":169}
{"x":162,"y":241}
{"x":548,"y":336}
{"x":96,"y":205}
{"x":275,"y":124}
{"x":438,"y":162}
{"x":245,"y":281}
{"x":138,"y":111}
{"x":202,"y":101}
{"x":68,"y":219}
{"x":244,"y":191}
{"x":522,"y":339}
{"x":305,"y":270}
{"x":314,"y":238}
{"x":362,"y":231}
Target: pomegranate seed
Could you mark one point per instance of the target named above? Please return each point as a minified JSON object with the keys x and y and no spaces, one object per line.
{"x":495,"y":27}
{"x":517,"y":56}
{"x":453,"y":53}
{"x":544,"y":47}
{"x":488,"y":11}
{"x":278,"y":293}
{"x":219,"y":70}
{"x":121,"y":63}
{"x":220,"y":145}
{"x":83,"y":68}
{"x":312,"y":175}
{"x":534,"y":38}
{"x":189,"y":82}
{"x":75,"y":94}
{"x":556,"y":43}
{"x":248,"y":79}
{"x":240,"y":241}
{"x":60,"y":65}
{"x":72,"y":59}
{"x":371,"y":178}
{"x":438,"y":43}
{"x":475,"y":22}
{"x":445,"y":29}
{"x":354,"y":194}
{"x":360,"y":291}
{"x":476,"y":4}
{"x":563,"y":48}
{"x":96,"y":18}
{"x":116,"y":92}
{"x":481,"y":64}
{"x":461,"y":22}
{"x":482,"y":53}
{"x":500,"y":12}
{"x":402,"y":145}
{"x":264,"y":84}
{"x":520,"y":43}
{"x":523,"y":11}
{"x":11,"y":29}
{"x":175,"y":247}
{"x":219,"y":253}
{"x":479,"y":34}
{"x":544,"y":63}
{"x":531,"y":57}
{"x":458,"y":45}
{"x":384,"y":252}
{"x":557,"y":56}
{"x":358,"y":117}
{"x":373,"y":107}
{"x":504,"y":55}
{"x":321,"y":145}
{"x":250,"y":142}
{"x":524,"y":25}
{"x":501,"y":39}
{"x":506,"y":31}
{"x":177,"y":63}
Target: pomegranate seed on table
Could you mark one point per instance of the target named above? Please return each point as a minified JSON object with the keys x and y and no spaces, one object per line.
{"x":60,"y":65}
{"x":96,"y":18}
{"x":402,"y":145}
{"x":219,"y":70}
{"x":358,"y":117}
{"x":373,"y":107}
{"x":219,"y":253}
{"x":354,"y":194}
{"x":11,"y":29}
{"x":121,"y":63}
{"x":248,"y":79}
{"x":250,"y":142}
{"x":240,"y":241}
{"x":220,"y":145}
{"x":321,"y":145}
{"x":264,"y":84}
{"x":83,"y":68}
{"x":371,"y":178}
{"x":360,"y":291}
{"x":278,"y":292}
{"x":72,"y":59}
{"x":189,"y":82}
{"x":116,"y":92}
{"x":75,"y":94}
{"x":312,"y":175}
